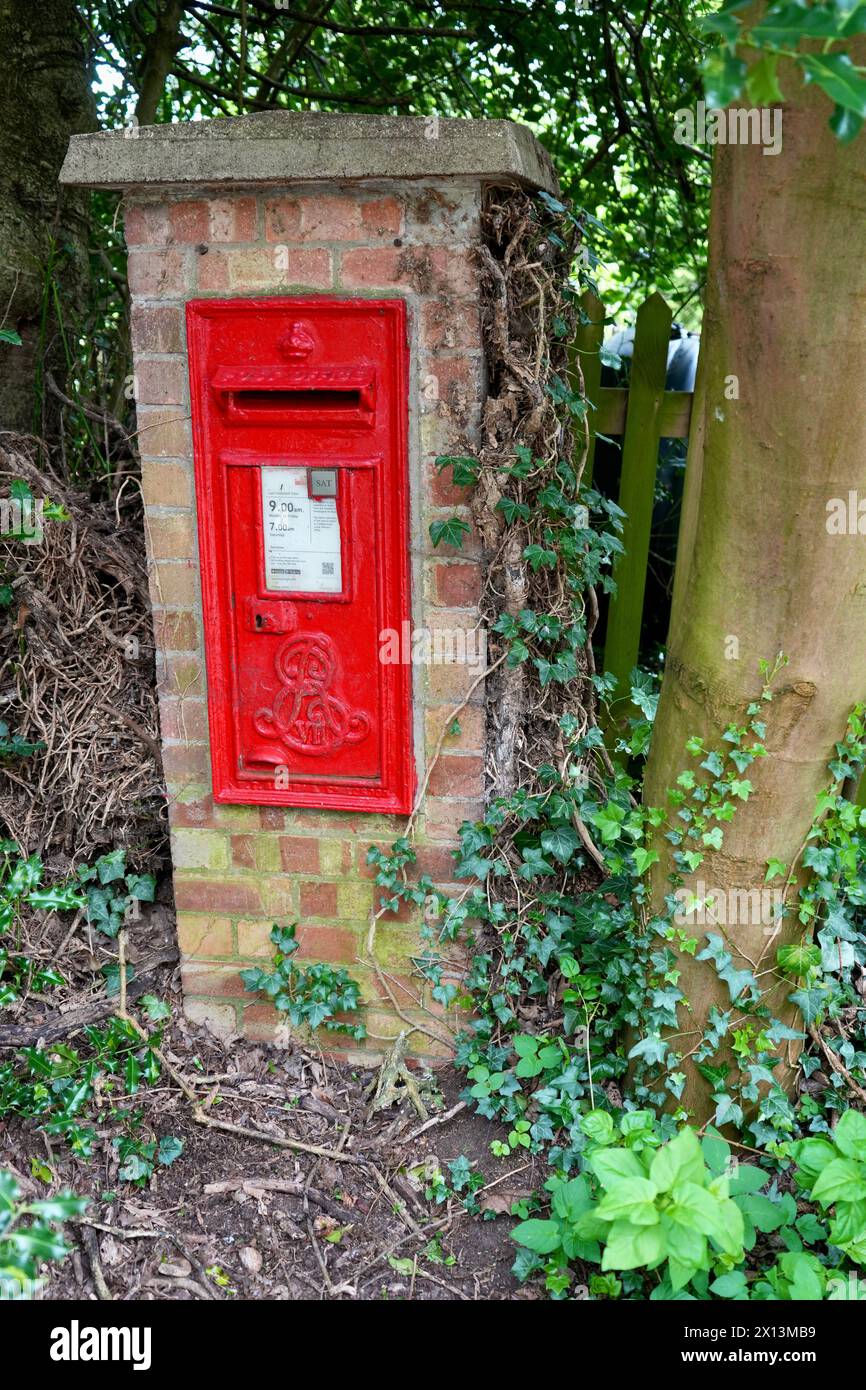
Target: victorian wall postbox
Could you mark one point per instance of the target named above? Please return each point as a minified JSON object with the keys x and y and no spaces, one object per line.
{"x":299,"y":410}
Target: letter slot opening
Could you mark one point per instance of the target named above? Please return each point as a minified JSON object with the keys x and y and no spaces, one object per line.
{"x":285,"y":402}
{"x":308,"y":396}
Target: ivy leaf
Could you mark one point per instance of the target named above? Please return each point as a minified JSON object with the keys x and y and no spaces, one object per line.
{"x":714,"y":764}
{"x":157,"y":1009}
{"x":142,"y":887}
{"x":644,"y":858}
{"x":464,"y":471}
{"x":799,"y":959}
{"x":785,"y":25}
{"x":512,"y":510}
{"x":561,"y":842}
{"x":450,"y":532}
{"x":170,"y":1148}
{"x":653,"y":1048}
{"x":111,"y":866}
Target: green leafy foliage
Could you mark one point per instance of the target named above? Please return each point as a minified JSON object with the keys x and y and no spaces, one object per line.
{"x":315,"y":996}
{"x":30,"y":1236}
{"x":778,"y":30}
{"x":112,"y":893}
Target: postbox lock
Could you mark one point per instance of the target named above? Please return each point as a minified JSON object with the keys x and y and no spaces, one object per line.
{"x":270,"y":615}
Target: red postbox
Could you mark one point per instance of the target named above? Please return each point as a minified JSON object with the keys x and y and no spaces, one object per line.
{"x":299,"y":412}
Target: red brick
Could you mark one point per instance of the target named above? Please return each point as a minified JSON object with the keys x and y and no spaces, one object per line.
{"x":318,"y":899}
{"x":452,"y":381}
{"x":189,"y":222}
{"x":282,"y":219}
{"x":299,"y":855}
{"x":330,"y":218}
{"x":272,"y":818}
{"x":158,"y":273}
{"x":220,"y":981}
{"x":442,"y":819}
{"x":423,"y":269}
{"x":469,"y":739}
{"x":437,"y":861}
{"x":163,"y":432}
{"x":374,"y":266}
{"x":232,"y":219}
{"x":176,"y":631}
{"x":183,"y":719}
{"x":265,"y":268}
{"x":212,"y":271}
{"x":224,"y":896}
{"x":327,"y":943}
{"x":196,"y":813}
{"x":171,"y":536}
{"x":306,"y":266}
{"x":405,"y":912}
{"x":160,"y":382}
{"x":366,"y":870}
{"x":185,"y":762}
{"x":442,"y":491}
{"x":382,"y":217}
{"x":146,"y":224}
{"x":457,"y":776}
{"x":180,"y":674}
{"x":450,"y":683}
{"x":243,"y":852}
{"x":260,"y":1022}
{"x":166,"y":484}
{"x":457,"y":585}
{"x":174,"y":582}
{"x":156,"y":328}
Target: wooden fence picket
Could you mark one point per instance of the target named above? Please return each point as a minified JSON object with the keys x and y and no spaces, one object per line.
{"x":640,"y":449}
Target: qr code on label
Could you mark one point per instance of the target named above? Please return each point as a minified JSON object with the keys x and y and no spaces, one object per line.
{"x":327,"y":567}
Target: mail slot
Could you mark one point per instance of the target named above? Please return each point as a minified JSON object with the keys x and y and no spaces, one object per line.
{"x":299,"y":413}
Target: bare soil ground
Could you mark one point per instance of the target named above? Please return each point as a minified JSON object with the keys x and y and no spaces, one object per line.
{"x":237,"y":1218}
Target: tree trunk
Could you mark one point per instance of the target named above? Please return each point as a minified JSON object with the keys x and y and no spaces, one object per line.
{"x":758,"y":571}
{"x":44,"y":98}
{"x":160,"y":51}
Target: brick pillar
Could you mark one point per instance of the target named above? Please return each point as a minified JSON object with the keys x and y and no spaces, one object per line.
{"x":379,"y":208}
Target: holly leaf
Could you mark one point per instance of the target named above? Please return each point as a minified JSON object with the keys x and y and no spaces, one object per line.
{"x":836,"y":75}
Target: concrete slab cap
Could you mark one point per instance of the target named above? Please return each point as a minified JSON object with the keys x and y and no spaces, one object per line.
{"x":281,"y":147}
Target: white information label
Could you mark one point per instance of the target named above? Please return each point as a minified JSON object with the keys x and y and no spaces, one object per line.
{"x":301,"y":533}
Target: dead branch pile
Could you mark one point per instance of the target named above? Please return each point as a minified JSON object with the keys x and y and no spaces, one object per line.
{"x":528,"y":322}
{"x":77,"y":672}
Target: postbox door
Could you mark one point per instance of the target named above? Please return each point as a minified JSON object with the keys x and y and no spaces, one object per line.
{"x":299,"y":411}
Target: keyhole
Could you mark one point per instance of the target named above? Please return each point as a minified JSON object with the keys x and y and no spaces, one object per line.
{"x":258,"y":620}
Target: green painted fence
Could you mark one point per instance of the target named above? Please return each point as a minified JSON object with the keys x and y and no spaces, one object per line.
{"x":642,"y":413}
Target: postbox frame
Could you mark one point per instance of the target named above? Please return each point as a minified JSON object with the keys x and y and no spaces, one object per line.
{"x":396,"y":794}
